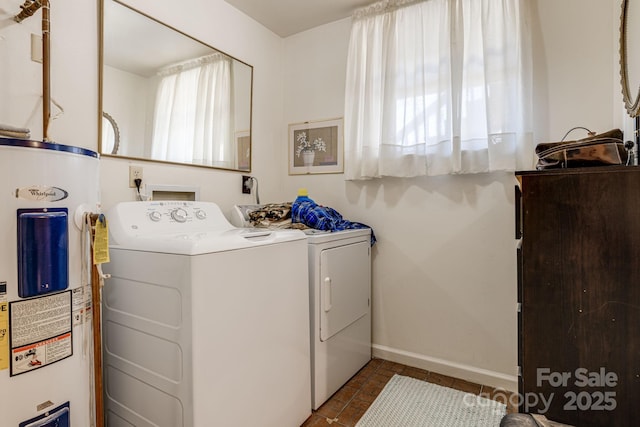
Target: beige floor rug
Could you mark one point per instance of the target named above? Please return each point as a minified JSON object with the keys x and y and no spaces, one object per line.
{"x":407,"y":402}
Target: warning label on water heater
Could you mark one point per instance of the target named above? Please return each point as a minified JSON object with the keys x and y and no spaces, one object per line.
{"x":40,"y":331}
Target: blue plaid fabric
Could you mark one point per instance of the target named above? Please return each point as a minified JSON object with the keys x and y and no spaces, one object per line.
{"x":309,"y":213}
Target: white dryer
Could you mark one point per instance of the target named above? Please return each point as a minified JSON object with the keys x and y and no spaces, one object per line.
{"x":340,"y":304}
{"x":204,"y":324}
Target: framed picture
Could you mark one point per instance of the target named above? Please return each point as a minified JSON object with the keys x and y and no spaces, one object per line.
{"x":243,"y":144}
{"x":316,"y":147}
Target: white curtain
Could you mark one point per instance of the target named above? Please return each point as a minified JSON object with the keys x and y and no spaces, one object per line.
{"x":438,"y":87}
{"x":193,"y":113}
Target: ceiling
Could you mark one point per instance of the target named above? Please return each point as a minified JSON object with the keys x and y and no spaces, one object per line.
{"x":139,"y":45}
{"x":287,"y":17}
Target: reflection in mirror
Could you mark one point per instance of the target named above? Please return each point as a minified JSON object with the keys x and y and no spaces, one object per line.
{"x":630,"y":55}
{"x":177,"y":99}
{"x":110,"y":134}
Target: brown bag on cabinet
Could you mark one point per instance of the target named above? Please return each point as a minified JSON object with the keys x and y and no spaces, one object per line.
{"x":603,"y":149}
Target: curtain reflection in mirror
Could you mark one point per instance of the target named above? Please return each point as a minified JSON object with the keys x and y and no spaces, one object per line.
{"x":193,"y":120}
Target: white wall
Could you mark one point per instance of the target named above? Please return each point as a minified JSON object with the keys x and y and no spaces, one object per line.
{"x":74,"y":77}
{"x":575,"y":65}
{"x":444,"y":268}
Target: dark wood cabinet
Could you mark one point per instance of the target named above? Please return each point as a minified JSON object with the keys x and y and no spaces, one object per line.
{"x":579,"y":295}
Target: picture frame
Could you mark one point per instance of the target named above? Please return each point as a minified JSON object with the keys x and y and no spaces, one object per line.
{"x":316,"y":147}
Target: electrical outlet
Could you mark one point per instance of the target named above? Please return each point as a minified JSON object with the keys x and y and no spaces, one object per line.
{"x":135,"y":172}
{"x":247,"y":183}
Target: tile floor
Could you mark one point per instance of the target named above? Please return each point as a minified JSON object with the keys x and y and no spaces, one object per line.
{"x":348,"y":404}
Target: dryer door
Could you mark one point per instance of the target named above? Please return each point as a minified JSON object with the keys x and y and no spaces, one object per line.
{"x":345,"y":287}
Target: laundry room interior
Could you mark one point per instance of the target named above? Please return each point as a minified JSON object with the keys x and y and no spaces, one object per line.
{"x":443,"y":262}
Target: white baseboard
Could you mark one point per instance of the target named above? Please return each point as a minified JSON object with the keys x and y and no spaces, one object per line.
{"x":446,"y":367}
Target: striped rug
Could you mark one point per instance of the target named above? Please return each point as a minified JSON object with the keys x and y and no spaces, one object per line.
{"x":408,"y":402}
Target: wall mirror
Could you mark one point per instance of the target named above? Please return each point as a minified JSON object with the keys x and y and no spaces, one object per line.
{"x":630,"y":55}
{"x":171,"y":97}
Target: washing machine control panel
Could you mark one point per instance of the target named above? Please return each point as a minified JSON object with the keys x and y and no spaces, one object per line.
{"x":139,"y":218}
{"x":179,"y":212}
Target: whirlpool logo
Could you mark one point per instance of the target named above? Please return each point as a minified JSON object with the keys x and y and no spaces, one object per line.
{"x":41,"y":193}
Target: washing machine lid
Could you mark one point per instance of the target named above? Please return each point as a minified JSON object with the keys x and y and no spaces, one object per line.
{"x":180,"y":227}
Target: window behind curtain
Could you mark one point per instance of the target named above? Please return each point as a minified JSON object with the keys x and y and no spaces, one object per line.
{"x":192,"y":118}
{"x":437,"y":87}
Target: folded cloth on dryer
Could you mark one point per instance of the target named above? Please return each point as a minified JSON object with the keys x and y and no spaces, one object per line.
{"x":273,"y":215}
{"x":311,"y":214}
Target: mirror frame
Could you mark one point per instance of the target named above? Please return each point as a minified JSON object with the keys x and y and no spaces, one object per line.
{"x":101,"y":113}
{"x":631,"y":104}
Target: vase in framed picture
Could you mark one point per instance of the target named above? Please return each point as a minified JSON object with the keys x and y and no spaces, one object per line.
{"x":307,"y":157}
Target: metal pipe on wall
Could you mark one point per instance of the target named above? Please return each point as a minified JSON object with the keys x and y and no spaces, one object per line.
{"x":28,"y":9}
{"x":46,"y":70}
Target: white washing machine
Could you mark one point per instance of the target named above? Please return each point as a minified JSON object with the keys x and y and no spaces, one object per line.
{"x":340,"y":304}
{"x":204,"y":324}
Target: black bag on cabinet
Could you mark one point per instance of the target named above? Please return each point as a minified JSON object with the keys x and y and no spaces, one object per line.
{"x":603,"y":149}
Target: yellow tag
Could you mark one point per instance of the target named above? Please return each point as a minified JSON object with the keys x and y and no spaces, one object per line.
{"x":4,"y":334}
{"x":101,"y":241}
